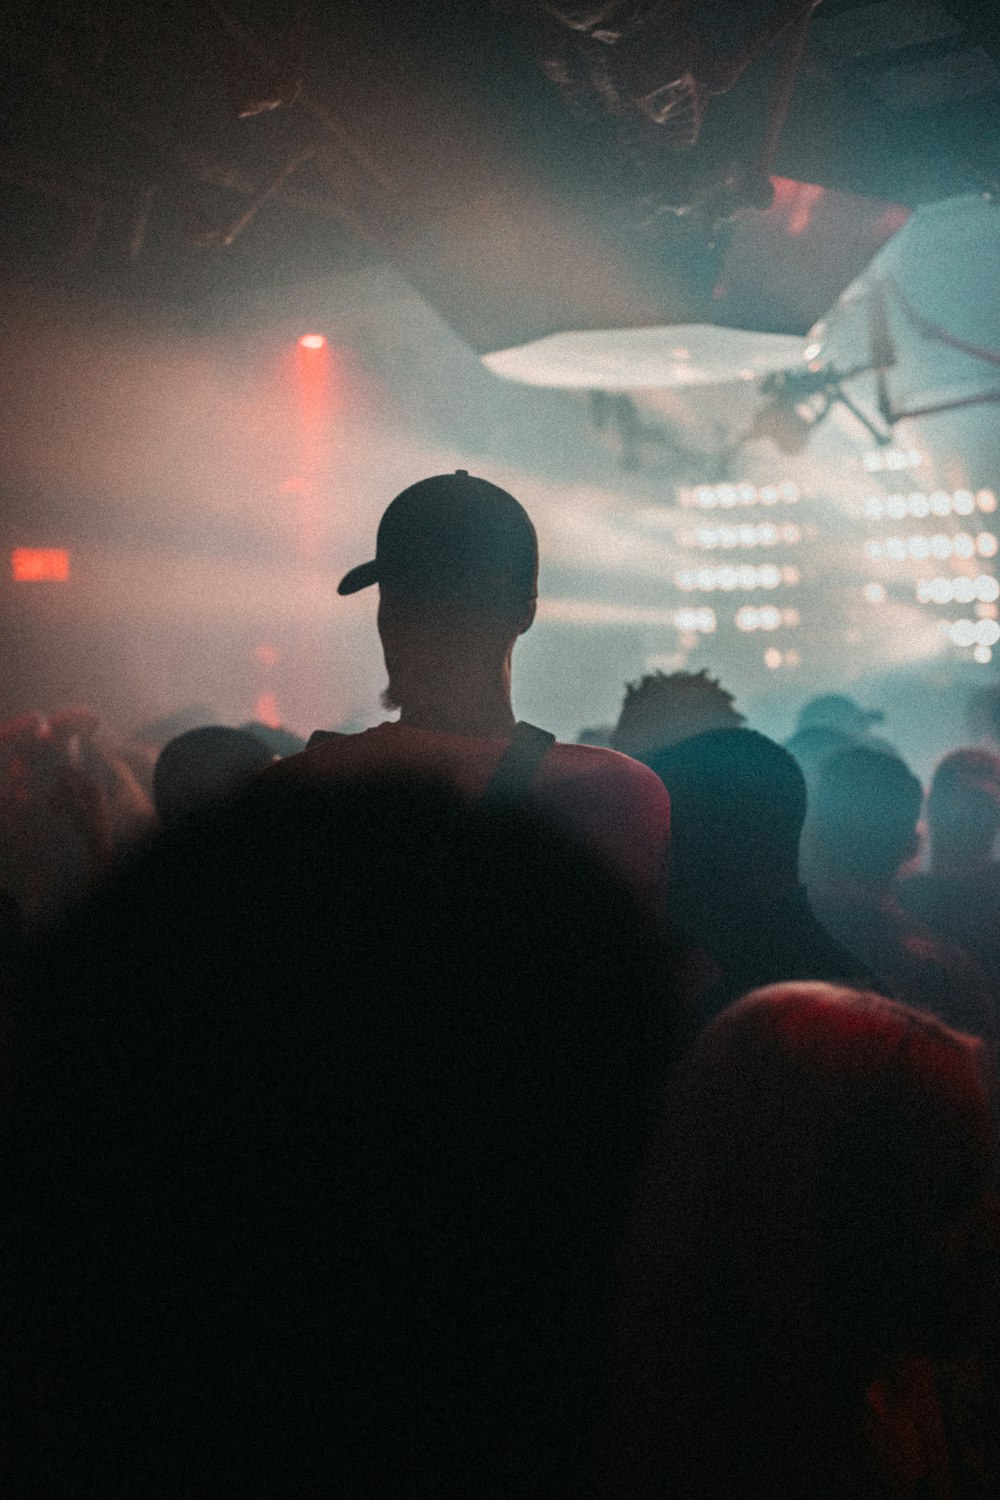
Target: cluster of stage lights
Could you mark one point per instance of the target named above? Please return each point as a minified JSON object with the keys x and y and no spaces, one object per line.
{"x":985,"y":589}
{"x":938,"y":503}
{"x":728,"y":579}
{"x":695,"y":621}
{"x":774,"y":659}
{"x":920,"y":547}
{"x":981,"y":635}
{"x":727,"y":496}
{"x":766,"y":535}
{"x":767,"y":617}
{"x":883,"y":460}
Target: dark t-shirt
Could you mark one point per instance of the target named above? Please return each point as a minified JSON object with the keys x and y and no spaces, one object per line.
{"x":964,"y":909}
{"x":918,"y":967}
{"x":777,"y":941}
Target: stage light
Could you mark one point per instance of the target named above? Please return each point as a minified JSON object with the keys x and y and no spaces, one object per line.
{"x":962,"y":590}
{"x":987,"y":501}
{"x":881,"y":459}
{"x":39,"y":565}
{"x":983,"y":655}
{"x":967,"y":633}
{"x":727,"y":496}
{"x":700,"y":621}
{"x":940,"y":545}
{"x":772,"y":659}
{"x":312,"y":341}
{"x":728,"y":578}
{"x":750,"y":618}
{"x":874,"y":593}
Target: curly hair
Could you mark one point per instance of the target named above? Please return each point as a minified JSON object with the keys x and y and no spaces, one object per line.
{"x":661,"y":710}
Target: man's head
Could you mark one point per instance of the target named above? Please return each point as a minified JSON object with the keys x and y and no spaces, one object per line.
{"x":738,"y":802}
{"x":963,"y":808}
{"x":835,"y":711}
{"x":661,"y":710}
{"x":456,"y":562}
{"x":814,"y":748}
{"x":865,"y":811}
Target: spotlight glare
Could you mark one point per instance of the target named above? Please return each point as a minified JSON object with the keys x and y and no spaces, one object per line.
{"x":312,"y":341}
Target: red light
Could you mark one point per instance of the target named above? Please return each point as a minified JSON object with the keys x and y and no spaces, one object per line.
{"x":266,"y":711}
{"x":39,"y":565}
{"x":312,"y":341}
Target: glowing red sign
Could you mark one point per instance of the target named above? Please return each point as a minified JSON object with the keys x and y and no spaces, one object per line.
{"x":40,"y":565}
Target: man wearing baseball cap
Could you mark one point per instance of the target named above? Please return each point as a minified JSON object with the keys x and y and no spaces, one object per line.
{"x":456,"y":564}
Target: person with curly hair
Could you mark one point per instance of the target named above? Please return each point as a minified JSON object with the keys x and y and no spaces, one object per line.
{"x":661,"y":710}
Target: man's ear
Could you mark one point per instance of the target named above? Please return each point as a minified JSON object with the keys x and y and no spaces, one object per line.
{"x":529,"y":617}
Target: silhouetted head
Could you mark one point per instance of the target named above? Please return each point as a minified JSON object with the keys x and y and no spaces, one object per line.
{"x":837,"y":711}
{"x":815,"y":1210}
{"x":865,"y":811}
{"x":328,"y":1113}
{"x":963,"y":808}
{"x":813,"y":748}
{"x":204,"y":766}
{"x":456,"y":562}
{"x":737,"y":805}
{"x":661,"y":710}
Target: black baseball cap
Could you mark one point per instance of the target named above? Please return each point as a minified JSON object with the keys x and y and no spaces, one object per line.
{"x":455,"y":540}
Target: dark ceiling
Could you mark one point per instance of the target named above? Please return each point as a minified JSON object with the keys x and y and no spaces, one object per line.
{"x":194,"y":154}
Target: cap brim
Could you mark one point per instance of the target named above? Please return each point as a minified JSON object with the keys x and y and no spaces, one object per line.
{"x":361,"y":577}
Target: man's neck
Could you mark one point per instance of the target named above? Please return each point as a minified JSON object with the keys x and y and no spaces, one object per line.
{"x":474,"y":708}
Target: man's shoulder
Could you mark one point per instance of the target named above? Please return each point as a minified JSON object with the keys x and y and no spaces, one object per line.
{"x":596,"y":760}
{"x":615,"y":775}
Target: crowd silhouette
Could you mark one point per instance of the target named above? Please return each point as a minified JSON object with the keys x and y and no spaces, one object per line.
{"x":443,"y":1110}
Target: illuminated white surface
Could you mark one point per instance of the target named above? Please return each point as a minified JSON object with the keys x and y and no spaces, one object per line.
{"x":630,"y":359}
{"x":946,"y":263}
